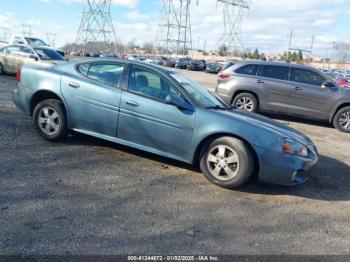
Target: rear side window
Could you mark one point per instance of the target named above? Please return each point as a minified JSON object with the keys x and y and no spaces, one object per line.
{"x":306,"y":77}
{"x":248,"y":69}
{"x":277,"y":72}
{"x":83,"y":68}
{"x":108,"y":73}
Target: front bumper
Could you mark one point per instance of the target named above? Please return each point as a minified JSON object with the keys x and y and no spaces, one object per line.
{"x":283,"y":169}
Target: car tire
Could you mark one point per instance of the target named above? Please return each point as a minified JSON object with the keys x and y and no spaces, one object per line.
{"x":50,"y":119}
{"x":341,"y":120}
{"x":246,"y":102}
{"x":227,"y":162}
{"x":2,"y":71}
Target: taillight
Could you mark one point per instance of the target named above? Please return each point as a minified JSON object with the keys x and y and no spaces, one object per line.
{"x":223,"y":76}
{"x":341,"y":83}
{"x":18,"y":75}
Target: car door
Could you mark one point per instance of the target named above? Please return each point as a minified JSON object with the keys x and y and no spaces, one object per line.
{"x":11,"y":58}
{"x":93,"y":96}
{"x":26,"y":56}
{"x":308,"y":98}
{"x":145,"y":119}
{"x":278,"y":89}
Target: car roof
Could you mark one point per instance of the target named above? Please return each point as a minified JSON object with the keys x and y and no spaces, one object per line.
{"x":133,"y":62}
{"x":274,"y":63}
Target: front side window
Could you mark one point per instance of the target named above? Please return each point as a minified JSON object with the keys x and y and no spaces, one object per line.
{"x":248,"y":69}
{"x":108,"y":73}
{"x":150,"y":84}
{"x":306,"y":77}
{"x":276,"y":72}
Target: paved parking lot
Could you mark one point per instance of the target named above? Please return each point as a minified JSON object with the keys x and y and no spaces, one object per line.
{"x":86,"y":196}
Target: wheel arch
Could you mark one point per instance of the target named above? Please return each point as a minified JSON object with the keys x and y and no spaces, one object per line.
{"x":205,"y":141}
{"x":335,"y":111}
{"x":42,"y":95}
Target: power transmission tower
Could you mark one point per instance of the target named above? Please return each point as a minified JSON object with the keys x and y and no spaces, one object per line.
{"x":27,"y":29}
{"x":51,"y":38}
{"x":174,"y":30}
{"x":96,"y":24}
{"x":291,"y":47}
{"x":4,"y":34}
{"x":233,"y":11}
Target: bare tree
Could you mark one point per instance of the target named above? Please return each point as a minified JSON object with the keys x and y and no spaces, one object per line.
{"x":148,"y":47}
{"x":342,"y":51}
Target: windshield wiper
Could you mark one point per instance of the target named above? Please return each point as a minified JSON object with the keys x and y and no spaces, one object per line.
{"x":216,"y":107}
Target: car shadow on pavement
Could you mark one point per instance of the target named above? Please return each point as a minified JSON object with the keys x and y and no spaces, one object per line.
{"x":329,"y":180}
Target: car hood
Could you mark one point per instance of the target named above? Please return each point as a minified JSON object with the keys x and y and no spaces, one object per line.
{"x":270,"y":124}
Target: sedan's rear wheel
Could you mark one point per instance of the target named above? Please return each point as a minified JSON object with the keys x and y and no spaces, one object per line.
{"x":50,"y":119}
{"x":246,"y":102}
{"x":341,"y":120}
{"x":227,"y":162}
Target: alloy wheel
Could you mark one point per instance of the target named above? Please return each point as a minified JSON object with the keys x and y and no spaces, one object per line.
{"x":245,"y":103}
{"x":344,"y":120}
{"x":223,"y":162}
{"x":48,"y":120}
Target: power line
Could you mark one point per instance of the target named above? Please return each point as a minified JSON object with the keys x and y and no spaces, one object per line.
{"x":51,"y":38}
{"x":27,"y":29}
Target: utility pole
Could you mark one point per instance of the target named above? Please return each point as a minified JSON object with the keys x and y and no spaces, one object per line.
{"x":96,"y":24}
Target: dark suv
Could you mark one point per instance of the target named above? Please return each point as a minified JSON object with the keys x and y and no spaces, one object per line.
{"x":285,"y":88}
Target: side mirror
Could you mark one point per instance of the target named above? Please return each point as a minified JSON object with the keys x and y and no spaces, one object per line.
{"x":327,"y":84}
{"x":178,"y":101}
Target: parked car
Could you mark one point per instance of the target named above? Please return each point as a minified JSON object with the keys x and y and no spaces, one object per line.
{"x":285,"y":88}
{"x":196,"y":65}
{"x":161,"y":111}
{"x":213,"y":67}
{"x":182,"y":63}
{"x":14,"y":56}
{"x":344,"y":82}
{"x":32,"y":41}
{"x":168,"y":62}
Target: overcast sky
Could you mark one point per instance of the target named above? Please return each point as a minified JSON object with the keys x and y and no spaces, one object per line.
{"x":265,"y":26}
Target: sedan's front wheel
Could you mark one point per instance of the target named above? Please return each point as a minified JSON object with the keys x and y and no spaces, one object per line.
{"x":227,"y":162}
{"x":50,"y":119}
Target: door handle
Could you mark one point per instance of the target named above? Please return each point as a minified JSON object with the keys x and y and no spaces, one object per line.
{"x":132,"y":103}
{"x":74,"y":85}
{"x":298,"y":88}
{"x":260,"y":81}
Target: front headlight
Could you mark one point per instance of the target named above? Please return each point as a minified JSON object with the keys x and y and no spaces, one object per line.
{"x":294,"y":148}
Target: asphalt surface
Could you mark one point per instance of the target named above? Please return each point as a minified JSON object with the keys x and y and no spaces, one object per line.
{"x":86,"y":196}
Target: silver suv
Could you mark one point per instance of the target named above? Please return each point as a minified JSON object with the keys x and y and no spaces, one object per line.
{"x":285,"y":88}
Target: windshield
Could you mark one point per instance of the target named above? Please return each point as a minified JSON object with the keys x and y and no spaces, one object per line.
{"x":48,"y":54}
{"x":197,"y":92}
{"x":35,"y":41}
